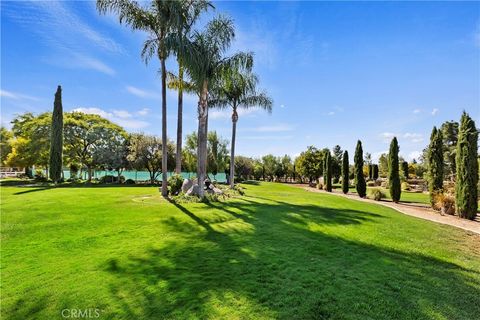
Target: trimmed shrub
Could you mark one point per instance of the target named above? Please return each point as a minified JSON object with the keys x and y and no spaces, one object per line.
{"x":175,"y":184}
{"x":370,"y":183}
{"x":405,"y":186}
{"x":111,"y":179}
{"x":466,"y":192}
{"x":56,"y":138}
{"x":129,"y":181}
{"x":405,"y":169}
{"x":328,"y":173}
{"x":393,"y":173}
{"x":376,"y":194}
{"x":444,"y":202}
{"x":375,"y":171}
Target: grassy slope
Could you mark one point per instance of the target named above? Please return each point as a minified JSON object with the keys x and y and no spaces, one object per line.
{"x":280,"y":252}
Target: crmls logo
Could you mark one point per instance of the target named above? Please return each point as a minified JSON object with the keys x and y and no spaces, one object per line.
{"x":80,"y":313}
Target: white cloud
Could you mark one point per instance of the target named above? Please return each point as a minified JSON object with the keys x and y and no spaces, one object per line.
{"x":16,"y":96}
{"x":93,"y":110}
{"x":142,"y":93}
{"x":87,"y":62}
{"x":282,"y":106}
{"x":414,"y":155}
{"x":120,"y":117}
{"x":143,"y":112}
{"x":413,"y":137}
{"x":416,"y":111}
{"x":387,"y":136}
{"x":227,"y":113}
{"x":434,"y":111}
{"x":331,"y":113}
{"x":122,"y":114}
{"x":259,"y":137}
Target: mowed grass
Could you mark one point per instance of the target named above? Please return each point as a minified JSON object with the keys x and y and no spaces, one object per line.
{"x":278,"y":252}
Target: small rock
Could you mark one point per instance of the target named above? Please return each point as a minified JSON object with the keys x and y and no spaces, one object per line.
{"x":193,"y":191}
{"x":186,"y":185}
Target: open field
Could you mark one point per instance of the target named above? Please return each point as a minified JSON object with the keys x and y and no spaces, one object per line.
{"x":277,"y":252}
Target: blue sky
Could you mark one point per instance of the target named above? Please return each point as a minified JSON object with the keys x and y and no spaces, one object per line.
{"x":337,"y":71}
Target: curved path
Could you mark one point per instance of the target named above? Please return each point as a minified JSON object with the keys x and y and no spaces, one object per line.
{"x":411,"y":209}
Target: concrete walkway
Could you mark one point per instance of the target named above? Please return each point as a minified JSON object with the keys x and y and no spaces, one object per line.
{"x":412,"y":209}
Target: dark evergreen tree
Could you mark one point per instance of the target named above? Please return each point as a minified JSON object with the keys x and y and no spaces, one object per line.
{"x":360,"y":183}
{"x":466,"y":192}
{"x":56,"y":140}
{"x":405,"y":169}
{"x":345,"y":172}
{"x":435,"y":163}
{"x":328,"y":171}
{"x":375,"y":171}
{"x":393,"y":171}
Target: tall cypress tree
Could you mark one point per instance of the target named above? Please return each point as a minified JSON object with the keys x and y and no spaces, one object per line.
{"x":370,"y":171}
{"x":345,"y":172}
{"x":56,"y":140}
{"x":375,"y":171}
{"x":393,"y":173}
{"x":328,"y":170}
{"x":405,"y":169}
{"x":435,"y":163}
{"x":360,"y":183}
{"x":466,"y":191}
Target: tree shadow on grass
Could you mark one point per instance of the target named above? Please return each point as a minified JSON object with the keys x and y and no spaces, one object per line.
{"x":279,"y":268}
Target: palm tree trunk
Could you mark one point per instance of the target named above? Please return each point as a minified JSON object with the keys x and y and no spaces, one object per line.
{"x":178,"y":158}
{"x":202,"y":139}
{"x":232,"y":150}
{"x":164,"y":129}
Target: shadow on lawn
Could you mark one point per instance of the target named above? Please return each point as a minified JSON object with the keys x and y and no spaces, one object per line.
{"x":277,"y":268}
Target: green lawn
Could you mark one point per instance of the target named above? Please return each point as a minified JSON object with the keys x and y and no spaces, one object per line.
{"x":278,"y":252}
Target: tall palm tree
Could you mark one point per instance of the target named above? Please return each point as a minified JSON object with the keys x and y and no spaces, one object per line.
{"x":237,"y":89}
{"x":203,"y":58}
{"x":159,"y":19}
{"x":192,"y":11}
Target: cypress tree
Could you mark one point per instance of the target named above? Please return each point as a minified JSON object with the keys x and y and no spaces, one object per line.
{"x":345,"y":172}
{"x":466,"y":191}
{"x":328,"y":175}
{"x":56,"y":139}
{"x":370,"y":172}
{"x":393,"y":171}
{"x":360,"y":183}
{"x":375,"y":171}
{"x":435,"y":163}
{"x":405,"y":169}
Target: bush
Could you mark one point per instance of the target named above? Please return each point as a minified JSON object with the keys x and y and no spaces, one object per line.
{"x":111,"y":179}
{"x":444,"y":202}
{"x":175,"y":184}
{"x":130,"y":181}
{"x":405,"y":186}
{"x":376,"y":194}
{"x":370,"y":183}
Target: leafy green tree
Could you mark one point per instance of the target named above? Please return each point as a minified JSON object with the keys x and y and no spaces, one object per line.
{"x":204,"y":60}
{"x":309,"y":163}
{"x":159,"y":20}
{"x":393,"y":174}
{"x":237,"y":89}
{"x":217,"y":153}
{"x":244,"y":167}
{"x":383,"y":165}
{"x":360,"y":183}
{"x":56,"y":142}
{"x":6,"y":137}
{"x":466,"y":192}
{"x":435,"y":166}
{"x":345,"y":172}
{"x":269,"y":166}
{"x":328,"y":172}
{"x":88,"y":135}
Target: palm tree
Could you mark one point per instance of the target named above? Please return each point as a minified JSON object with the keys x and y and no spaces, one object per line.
{"x":192,"y":12}
{"x":237,"y":89}
{"x":160,"y":19}
{"x":203,"y":58}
